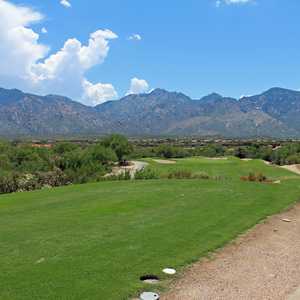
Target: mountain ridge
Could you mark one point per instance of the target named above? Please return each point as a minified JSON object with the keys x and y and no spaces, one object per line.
{"x":273,"y":113}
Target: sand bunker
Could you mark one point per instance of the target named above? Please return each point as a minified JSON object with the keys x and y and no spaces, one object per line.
{"x":164,"y":161}
{"x":293,"y":168}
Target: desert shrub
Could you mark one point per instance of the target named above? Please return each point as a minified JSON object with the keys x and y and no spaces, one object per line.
{"x":142,"y":152}
{"x":52,"y":178}
{"x":169,"y":151}
{"x":259,"y":177}
{"x":9,"y":182}
{"x":100,"y":154}
{"x":28,"y":182}
{"x":210,"y":150}
{"x":64,"y":147}
{"x":201,"y":175}
{"x":146,"y":174}
{"x":180,"y":174}
{"x":5,"y":163}
{"x":293,"y":159}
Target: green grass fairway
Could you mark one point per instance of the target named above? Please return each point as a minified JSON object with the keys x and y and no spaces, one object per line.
{"x":94,"y":241}
{"x":230,"y":168}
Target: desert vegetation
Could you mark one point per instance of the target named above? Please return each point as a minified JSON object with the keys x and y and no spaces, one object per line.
{"x":26,"y":166}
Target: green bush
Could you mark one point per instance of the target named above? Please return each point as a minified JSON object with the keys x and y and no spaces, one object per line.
{"x":146,"y":174}
{"x":119,"y":144}
{"x":169,"y":151}
{"x":201,"y":175}
{"x":180,"y":174}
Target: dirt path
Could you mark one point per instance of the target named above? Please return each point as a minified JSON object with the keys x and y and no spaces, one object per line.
{"x":263,"y":264}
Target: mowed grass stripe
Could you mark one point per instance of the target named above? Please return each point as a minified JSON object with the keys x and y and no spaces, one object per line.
{"x":94,"y":241}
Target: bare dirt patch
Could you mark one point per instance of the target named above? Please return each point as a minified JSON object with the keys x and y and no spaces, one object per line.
{"x":165,"y":161}
{"x":293,"y":168}
{"x":262,"y":264}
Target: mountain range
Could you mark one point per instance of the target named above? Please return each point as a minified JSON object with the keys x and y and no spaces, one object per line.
{"x":274,"y":113}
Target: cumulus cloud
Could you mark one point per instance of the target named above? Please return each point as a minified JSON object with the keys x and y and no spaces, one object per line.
{"x":24,"y":60}
{"x":138,"y":86}
{"x":44,"y":30}
{"x":135,"y":37}
{"x":98,"y":93}
{"x":74,"y":57}
{"x":65,"y":3}
{"x":228,"y":2}
{"x":19,"y":47}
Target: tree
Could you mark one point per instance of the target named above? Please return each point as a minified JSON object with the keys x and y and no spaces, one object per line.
{"x":119,"y":144}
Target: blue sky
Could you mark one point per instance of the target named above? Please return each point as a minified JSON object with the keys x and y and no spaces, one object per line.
{"x":192,"y":46}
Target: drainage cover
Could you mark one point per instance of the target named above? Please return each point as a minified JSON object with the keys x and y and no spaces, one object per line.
{"x":152,"y":279}
{"x":169,"y":271}
{"x":149,"y":296}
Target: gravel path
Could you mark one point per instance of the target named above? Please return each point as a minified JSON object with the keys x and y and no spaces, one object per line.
{"x":263,"y":264}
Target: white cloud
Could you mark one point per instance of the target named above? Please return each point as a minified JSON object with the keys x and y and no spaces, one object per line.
{"x":98,"y":93}
{"x":135,"y":37}
{"x":19,"y":47}
{"x":65,"y":3}
{"x":74,"y":57}
{"x":138,"y":86}
{"x":65,"y":70}
{"x":229,"y":2}
{"x":24,"y":62}
{"x":44,"y":30}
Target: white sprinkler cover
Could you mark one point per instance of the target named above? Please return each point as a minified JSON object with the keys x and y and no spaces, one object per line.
{"x":149,"y":296}
{"x":169,"y":271}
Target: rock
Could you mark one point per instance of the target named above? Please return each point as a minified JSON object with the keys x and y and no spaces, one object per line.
{"x":286,"y":220}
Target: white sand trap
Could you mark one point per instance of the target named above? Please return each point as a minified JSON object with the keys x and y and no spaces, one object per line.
{"x":246,"y":159}
{"x":164,"y":161}
{"x":217,"y":158}
{"x":293,"y":168}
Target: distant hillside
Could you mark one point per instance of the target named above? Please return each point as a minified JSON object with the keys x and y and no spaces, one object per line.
{"x":274,"y":113}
